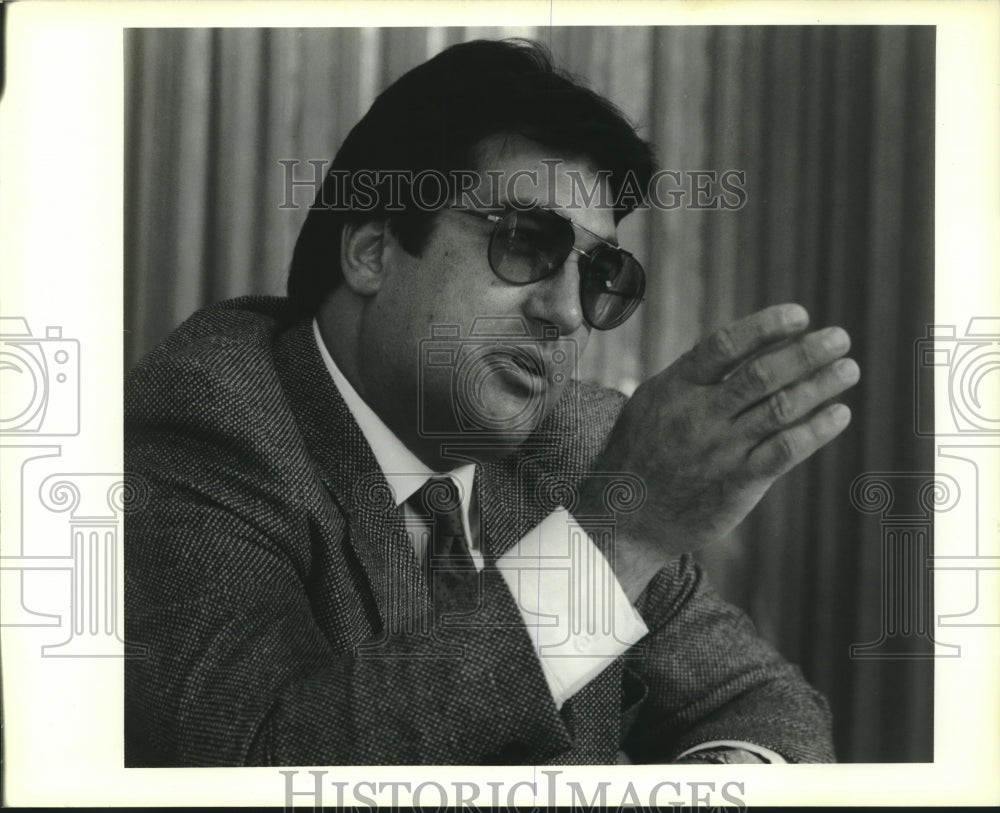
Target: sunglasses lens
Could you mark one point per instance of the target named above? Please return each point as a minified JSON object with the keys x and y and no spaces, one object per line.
{"x":529,"y":246}
{"x":611,"y":288}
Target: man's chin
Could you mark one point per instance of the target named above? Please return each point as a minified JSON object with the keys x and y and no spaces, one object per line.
{"x":493,"y":426}
{"x":445,"y":454}
{"x":509,"y":410}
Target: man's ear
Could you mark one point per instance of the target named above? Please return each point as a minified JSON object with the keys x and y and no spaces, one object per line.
{"x":361,"y":256}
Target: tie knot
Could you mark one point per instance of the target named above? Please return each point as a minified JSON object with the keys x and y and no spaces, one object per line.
{"x":441,"y":502}
{"x":438,"y":496}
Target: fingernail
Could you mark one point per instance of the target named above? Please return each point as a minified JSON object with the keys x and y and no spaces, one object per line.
{"x":840,"y":414}
{"x":835,"y":340}
{"x":847,"y":370}
{"x":795,"y":316}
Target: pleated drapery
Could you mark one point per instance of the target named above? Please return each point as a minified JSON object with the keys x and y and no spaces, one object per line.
{"x":833,"y":130}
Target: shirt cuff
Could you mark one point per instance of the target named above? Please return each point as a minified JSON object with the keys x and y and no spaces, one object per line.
{"x":575,"y":611}
{"x":765,"y":754}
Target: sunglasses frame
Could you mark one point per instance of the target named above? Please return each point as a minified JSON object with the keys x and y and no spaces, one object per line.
{"x":496,"y":219}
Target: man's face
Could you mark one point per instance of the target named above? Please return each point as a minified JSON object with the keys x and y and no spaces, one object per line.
{"x":441,"y":358}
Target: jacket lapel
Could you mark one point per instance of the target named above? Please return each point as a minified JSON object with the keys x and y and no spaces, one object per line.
{"x":520,"y":490}
{"x":508,"y":492}
{"x":348,"y":469}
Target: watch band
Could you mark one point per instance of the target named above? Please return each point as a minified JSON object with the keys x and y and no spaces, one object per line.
{"x":722,"y":755}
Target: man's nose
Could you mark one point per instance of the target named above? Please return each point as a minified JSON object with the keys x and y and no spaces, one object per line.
{"x":557,"y":298}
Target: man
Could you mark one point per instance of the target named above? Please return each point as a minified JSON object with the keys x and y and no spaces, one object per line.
{"x":385,"y":526}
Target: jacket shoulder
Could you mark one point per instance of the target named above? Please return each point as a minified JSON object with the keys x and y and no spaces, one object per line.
{"x":579,"y":425}
{"x":216,"y":376}
{"x":250,"y":321}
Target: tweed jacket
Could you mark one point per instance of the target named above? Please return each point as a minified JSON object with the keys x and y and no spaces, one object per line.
{"x":269,"y":575}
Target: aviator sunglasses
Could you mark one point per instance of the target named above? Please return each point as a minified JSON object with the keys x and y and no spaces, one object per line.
{"x":532,"y":245}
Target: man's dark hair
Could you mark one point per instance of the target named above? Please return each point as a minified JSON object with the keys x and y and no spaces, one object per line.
{"x":434,"y":117}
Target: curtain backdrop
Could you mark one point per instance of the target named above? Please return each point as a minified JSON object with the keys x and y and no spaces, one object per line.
{"x":833,"y":127}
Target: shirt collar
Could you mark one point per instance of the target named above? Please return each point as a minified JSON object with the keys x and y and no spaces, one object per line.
{"x":403,"y":470}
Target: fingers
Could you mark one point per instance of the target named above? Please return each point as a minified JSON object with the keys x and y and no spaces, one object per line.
{"x":789,"y":405}
{"x":786,"y":449}
{"x":722,"y":351}
{"x":771,"y":372}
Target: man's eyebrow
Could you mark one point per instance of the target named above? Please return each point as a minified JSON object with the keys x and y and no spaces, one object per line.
{"x":517,"y":202}
{"x":505,"y":203}
{"x":611,"y":239}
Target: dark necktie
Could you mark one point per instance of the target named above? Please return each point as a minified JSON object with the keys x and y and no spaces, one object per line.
{"x":448,"y":565}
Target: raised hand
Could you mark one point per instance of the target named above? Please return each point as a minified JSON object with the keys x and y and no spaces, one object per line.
{"x":711,"y":433}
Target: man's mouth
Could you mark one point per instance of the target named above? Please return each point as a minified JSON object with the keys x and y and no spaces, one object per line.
{"x":519,"y":362}
{"x":502,"y":388}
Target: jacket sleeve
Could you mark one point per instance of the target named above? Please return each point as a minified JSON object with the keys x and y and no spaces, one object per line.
{"x":709,"y":677}
{"x":239,"y":671}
